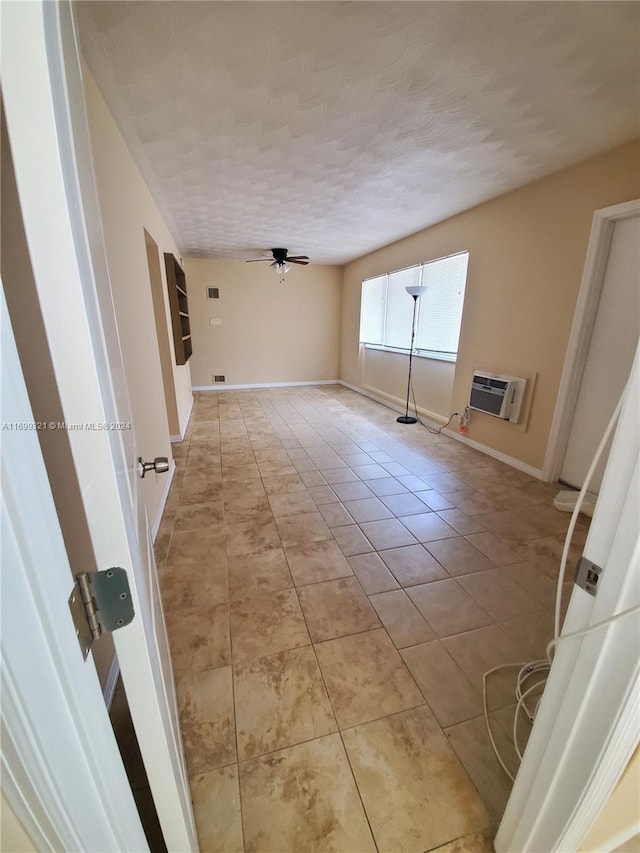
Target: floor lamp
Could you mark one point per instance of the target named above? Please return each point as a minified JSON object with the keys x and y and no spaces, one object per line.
{"x":415,"y":291}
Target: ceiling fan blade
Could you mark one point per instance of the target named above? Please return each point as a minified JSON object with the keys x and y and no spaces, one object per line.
{"x":257,"y":260}
{"x":298,"y":258}
{"x":296,"y":261}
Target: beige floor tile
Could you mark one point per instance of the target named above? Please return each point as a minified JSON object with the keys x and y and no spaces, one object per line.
{"x":312,"y":479}
{"x":250,"y":574}
{"x":251,"y":537}
{"x":353,"y":491}
{"x":299,"y":529}
{"x":403,"y":622}
{"x":415,"y":791}
{"x":366,"y":678}
{"x":509,"y":526}
{"x":280,"y":700}
{"x":473,"y":747}
{"x":458,"y":556}
{"x":200,"y":489}
{"x":205,"y":703}
{"x":538,"y":586}
{"x":291,"y":503}
{"x":428,"y":526}
{"x":216,"y":807}
{"x":369,"y":472}
{"x":205,"y":547}
{"x":444,"y":483}
{"x":403,"y":504}
{"x":447,"y":607}
{"x":323,"y":495}
{"x":335,"y":514}
{"x":197,"y":516}
{"x":316,"y":562}
{"x":413,"y":483}
{"x":478,"y":651}
{"x":336,"y":608}
{"x":545,"y":554}
{"x":448,"y":691}
{"x":368,"y":509}
{"x":247,"y":509}
{"x":239,"y":473}
{"x":351,"y":540}
{"x":412,"y":565}
{"x":472,"y":502}
{"x":389,"y":533}
{"x":387,"y":486}
{"x":266,"y":624}
{"x":434,"y":500}
{"x":187,"y":585}
{"x":335,"y":476}
{"x":498,"y":594}
{"x":528,"y":635}
{"x":372,"y":573}
{"x":481,"y":842}
{"x":460,"y":521}
{"x":494,"y":548}
{"x":303,"y":798}
{"x":199,"y":637}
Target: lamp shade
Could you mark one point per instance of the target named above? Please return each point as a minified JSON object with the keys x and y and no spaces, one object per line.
{"x":417,"y":290}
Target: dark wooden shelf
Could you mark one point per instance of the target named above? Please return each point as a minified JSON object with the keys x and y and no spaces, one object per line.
{"x":176,"y":284}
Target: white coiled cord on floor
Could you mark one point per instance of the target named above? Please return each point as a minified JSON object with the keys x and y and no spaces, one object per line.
{"x":527,"y":670}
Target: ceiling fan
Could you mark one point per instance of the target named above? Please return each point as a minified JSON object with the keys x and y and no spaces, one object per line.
{"x":281,"y":260}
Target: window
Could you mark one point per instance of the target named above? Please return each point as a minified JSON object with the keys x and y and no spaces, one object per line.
{"x":387,"y":308}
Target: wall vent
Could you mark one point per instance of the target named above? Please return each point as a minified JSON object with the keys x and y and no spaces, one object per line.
{"x":498,"y":395}
{"x":213,"y":293}
{"x":219,"y":377}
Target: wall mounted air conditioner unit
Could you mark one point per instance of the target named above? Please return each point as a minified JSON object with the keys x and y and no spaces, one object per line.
{"x":497,"y":395}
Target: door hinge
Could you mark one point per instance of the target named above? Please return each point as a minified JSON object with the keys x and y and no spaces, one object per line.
{"x":100,"y":603}
{"x":587,"y":575}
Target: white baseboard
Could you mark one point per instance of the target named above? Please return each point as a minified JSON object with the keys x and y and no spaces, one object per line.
{"x":163,"y":500}
{"x":110,"y":684}
{"x":183,"y":426}
{"x":222,"y":387}
{"x":495,"y":454}
{"x":395,"y":403}
{"x":437,"y":421}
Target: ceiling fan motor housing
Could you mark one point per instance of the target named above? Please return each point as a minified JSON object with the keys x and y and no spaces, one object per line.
{"x":279,"y":255}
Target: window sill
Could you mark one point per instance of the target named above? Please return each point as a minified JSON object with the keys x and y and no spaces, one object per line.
{"x":434,"y":356}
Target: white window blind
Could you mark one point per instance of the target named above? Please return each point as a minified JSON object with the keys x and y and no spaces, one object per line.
{"x":387,"y":308}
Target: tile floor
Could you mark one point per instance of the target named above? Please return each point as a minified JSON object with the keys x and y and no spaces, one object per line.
{"x":335,"y":585}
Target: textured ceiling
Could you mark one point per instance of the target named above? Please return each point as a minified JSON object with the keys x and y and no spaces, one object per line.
{"x":333,"y":128}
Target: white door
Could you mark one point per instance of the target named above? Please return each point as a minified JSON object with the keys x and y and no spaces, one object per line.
{"x":611,"y":349}
{"x":42,"y":93}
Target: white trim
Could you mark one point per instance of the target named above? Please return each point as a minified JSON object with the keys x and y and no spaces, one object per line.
{"x":437,"y":421}
{"x":222,"y":387}
{"x":61,"y":769}
{"x":495,"y":454}
{"x":604,"y":221}
{"x":394,"y":403}
{"x":184,"y":425}
{"x":586,"y":727}
{"x":417,"y":353}
{"x":163,"y":500}
{"x":112,"y":679}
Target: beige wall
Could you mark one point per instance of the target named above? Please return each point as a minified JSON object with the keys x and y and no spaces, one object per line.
{"x":270,"y":332}
{"x":617,"y":824}
{"x":13,"y":836}
{"x":128,"y":209}
{"x":527,"y":250}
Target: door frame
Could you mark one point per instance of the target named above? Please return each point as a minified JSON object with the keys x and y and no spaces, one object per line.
{"x":584,"y":319}
{"x":61,"y":769}
{"x":586,"y":728}
{"x":46,"y":121}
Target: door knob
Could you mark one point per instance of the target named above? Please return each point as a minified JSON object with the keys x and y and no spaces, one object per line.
{"x":160,"y":465}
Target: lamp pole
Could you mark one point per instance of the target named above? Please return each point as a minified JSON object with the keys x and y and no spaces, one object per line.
{"x":416,"y":292}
